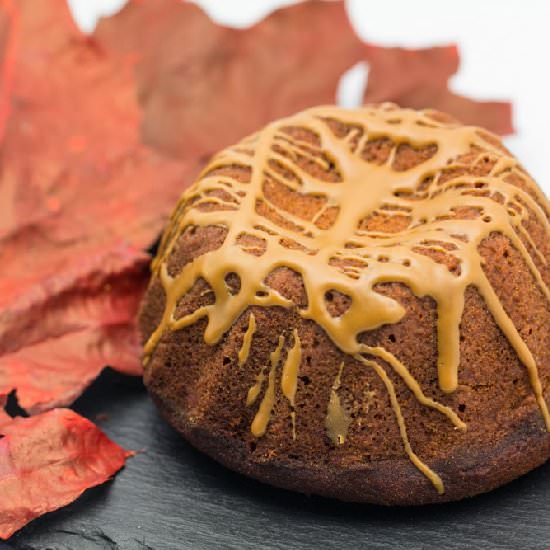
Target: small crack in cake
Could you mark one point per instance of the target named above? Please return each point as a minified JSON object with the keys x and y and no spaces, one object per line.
{"x":354,"y":303}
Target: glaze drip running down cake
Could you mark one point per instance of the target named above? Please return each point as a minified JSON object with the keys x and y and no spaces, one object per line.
{"x":354,"y":303}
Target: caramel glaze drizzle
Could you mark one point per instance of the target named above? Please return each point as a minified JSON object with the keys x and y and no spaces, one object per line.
{"x":289,"y":377}
{"x":337,"y":420}
{"x":372,"y":258}
{"x":247,"y":340}
{"x":261,"y":420}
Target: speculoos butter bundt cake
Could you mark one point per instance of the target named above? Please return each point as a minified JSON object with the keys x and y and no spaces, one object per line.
{"x":355,"y":303}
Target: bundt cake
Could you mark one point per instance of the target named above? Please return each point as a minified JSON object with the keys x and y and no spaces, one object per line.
{"x":355,"y":303}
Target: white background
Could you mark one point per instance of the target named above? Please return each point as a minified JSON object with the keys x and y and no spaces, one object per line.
{"x":504,"y":44}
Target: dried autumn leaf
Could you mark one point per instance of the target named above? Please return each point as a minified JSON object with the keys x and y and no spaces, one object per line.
{"x":49,"y":460}
{"x":75,"y":142}
{"x":79,"y":196}
{"x":7,"y":24}
{"x":86,"y":316}
{"x":4,"y":417}
{"x":204,"y":87}
{"x":420,"y":79}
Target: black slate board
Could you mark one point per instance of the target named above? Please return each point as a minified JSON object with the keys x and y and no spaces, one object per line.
{"x":173,"y":497}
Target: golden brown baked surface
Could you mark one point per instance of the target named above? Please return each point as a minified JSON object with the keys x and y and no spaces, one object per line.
{"x":355,"y":304}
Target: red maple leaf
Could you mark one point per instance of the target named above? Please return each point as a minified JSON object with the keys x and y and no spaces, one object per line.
{"x":79,"y":197}
{"x":86,"y":315}
{"x":8,"y":21}
{"x":49,"y":460}
{"x":4,"y":417}
{"x":204,"y":86}
{"x":420,"y":79}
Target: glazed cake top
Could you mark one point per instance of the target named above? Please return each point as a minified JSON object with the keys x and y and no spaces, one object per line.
{"x":349,"y":199}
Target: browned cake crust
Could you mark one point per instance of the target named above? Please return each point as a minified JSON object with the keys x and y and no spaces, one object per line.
{"x":201,"y":388}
